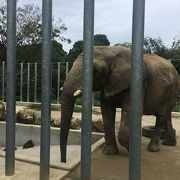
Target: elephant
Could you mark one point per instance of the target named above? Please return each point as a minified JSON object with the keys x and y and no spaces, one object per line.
{"x":111,"y":77}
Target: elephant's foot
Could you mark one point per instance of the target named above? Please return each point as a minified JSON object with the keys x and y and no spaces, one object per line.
{"x":110,"y":149}
{"x":153,"y":147}
{"x":170,"y":139}
{"x":123,"y":138}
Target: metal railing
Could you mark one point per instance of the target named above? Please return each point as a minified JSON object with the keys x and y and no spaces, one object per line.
{"x":136,"y":90}
{"x":28,"y":79}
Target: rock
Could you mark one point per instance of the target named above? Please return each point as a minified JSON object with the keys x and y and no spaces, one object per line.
{"x":28,"y":117}
{"x":37,"y":118}
{"x":98,"y":125}
{"x":2,"y":111}
{"x":75,"y":123}
{"x":28,"y":144}
{"x":56,"y":123}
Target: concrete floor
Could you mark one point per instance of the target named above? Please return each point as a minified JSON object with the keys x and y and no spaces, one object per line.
{"x":72,"y":152}
{"x":29,"y":171}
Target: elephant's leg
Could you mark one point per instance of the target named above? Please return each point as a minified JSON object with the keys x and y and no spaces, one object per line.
{"x":108,"y":112}
{"x":123,"y":136}
{"x":154,"y":145}
{"x":170,"y":133}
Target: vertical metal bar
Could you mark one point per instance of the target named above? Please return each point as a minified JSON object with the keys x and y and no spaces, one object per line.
{"x":58,"y":85}
{"x":136,"y":89}
{"x":35,"y":82}
{"x":11,"y":84}
{"x":21,"y":84}
{"x":3,"y":75}
{"x":28,"y":80}
{"x":87,"y":89}
{"x":46,"y":89}
{"x":67,"y":68}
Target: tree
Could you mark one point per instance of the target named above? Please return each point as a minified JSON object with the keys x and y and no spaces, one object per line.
{"x":175,"y":50}
{"x":33,"y":53}
{"x":101,"y":40}
{"x":29,"y":34}
{"x":156,"y":46}
{"x":75,"y":51}
{"x":175,"y":54}
{"x":58,"y":54}
{"x":151,"y":46}
{"x":29,"y":25}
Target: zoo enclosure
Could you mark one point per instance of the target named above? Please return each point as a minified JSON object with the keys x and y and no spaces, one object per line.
{"x":136,"y":89}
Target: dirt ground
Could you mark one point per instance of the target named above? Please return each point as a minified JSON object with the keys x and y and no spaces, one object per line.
{"x":163,"y":165}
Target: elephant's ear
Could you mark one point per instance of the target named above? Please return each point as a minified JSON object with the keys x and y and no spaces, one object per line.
{"x":119,"y":77}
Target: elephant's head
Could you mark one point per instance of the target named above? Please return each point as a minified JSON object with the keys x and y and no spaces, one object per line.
{"x":111,"y":75}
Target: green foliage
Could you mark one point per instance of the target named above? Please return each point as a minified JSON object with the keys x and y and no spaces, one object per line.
{"x":33,"y":53}
{"x":177,"y":107}
{"x":125,"y":44}
{"x":29,"y":34}
{"x":101,"y":40}
{"x":175,"y":55}
{"x":37,"y":107}
{"x":58,"y":54}
{"x":75,"y":51}
{"x":156,"y":46}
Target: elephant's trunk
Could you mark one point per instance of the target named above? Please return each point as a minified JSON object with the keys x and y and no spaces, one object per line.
{"x":70,"y":91}
{"x":67,"y":108}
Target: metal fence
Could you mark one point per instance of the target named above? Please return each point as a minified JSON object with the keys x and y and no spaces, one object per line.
{"x":28,"y":80}
{"x":136,"y":90}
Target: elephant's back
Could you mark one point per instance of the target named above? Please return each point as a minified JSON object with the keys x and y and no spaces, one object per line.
{"x":163,"y":84}
{"x":161,"y":70}
{"x":111,"y":52}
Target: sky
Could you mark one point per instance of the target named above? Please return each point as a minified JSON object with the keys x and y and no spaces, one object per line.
{"x":114,"y":19}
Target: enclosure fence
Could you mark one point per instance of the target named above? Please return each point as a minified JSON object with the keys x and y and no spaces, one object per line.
{"x":136,"y":90}
{"x":28,"y":80}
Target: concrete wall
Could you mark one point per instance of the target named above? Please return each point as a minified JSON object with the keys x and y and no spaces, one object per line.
{"x":26,"y":132}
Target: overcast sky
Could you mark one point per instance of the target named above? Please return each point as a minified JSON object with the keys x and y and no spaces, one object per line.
{"x":114,"y":18}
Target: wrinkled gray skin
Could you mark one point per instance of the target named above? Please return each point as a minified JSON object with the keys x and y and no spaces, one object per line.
{"x":111,"y":76}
